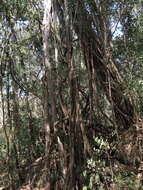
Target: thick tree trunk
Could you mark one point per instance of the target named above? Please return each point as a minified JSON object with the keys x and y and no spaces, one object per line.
{"x":48,"y":85}
{"x":112,"y":83}
{"x":94,"y":43}
{"x":106,"y":71}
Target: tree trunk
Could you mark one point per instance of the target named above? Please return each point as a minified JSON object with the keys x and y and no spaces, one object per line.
{"x":106,"y":71}
{"x":111,"y":82}
{"x":48,"y":84}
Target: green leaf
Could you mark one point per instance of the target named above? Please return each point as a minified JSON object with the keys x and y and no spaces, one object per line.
{"x":84,"y":188}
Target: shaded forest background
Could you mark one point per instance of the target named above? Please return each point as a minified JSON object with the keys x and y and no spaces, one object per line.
{"x":71,"y":94}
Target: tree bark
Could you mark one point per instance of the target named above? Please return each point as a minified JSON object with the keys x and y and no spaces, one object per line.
{"x":105,"y":69}
{"x":48,"y":84}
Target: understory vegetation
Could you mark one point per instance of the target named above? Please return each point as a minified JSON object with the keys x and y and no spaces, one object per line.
{"x":71,"y":95}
